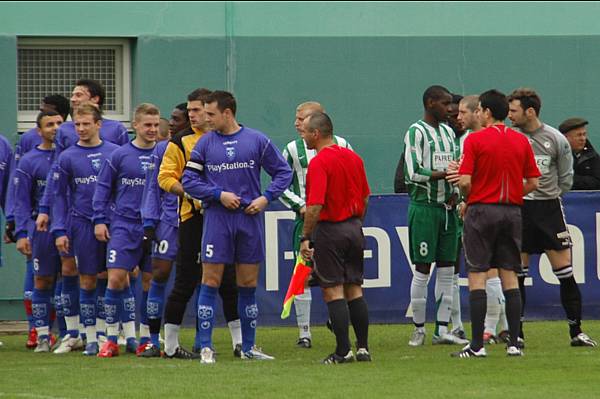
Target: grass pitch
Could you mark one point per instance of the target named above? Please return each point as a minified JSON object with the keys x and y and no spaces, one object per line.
{"x":549,"y":369}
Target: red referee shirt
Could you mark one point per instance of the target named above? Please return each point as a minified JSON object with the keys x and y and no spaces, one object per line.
{"x":498,"y":159}
{"x":336,"y":179}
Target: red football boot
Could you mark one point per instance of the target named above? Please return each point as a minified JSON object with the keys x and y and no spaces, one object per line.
{"x":109,"y":349}
{"x":31,"y":339}
{"x":52,"y":340}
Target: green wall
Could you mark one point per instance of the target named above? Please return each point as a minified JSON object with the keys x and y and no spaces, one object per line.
{"x":368,"y":63}
{"x":314,"y":19}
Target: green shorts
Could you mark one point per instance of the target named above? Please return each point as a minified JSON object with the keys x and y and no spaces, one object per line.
{"x":433,"y":234}
{"x":298,"y":227}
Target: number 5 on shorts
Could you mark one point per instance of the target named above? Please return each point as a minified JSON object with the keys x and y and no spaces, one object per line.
{"x":209,"y":250}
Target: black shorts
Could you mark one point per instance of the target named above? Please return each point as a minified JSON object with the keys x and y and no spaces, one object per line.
{"x":544,"y":226}
{"x":338,"y":256}
{"x":492,"y":237}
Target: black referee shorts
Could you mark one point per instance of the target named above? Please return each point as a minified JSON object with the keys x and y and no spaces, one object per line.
{"x":338,"y":256}
{"x":544,"y":226}
{"x":492,"y":237}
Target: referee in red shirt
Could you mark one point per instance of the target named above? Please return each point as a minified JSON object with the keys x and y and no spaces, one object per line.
{"x":497,"y":170}
{"x":337,"y":193}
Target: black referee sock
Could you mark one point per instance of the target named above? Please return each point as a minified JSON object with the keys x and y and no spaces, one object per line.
{"x":570,"y":297}
{"x":340,"y":319}
{"x":521,"y":279}
{"x":478,"y":302}
{"x":154,"y":325}
{"x":229,"y":294}
{"x":513,"y":314}
{"x":359,"y":316}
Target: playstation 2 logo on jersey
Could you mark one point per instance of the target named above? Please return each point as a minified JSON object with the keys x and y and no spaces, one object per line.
{"x":96,"y":163}
{"x":230,"y":151}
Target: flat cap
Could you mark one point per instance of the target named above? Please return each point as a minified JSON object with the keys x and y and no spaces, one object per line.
{"x":571,"y":123}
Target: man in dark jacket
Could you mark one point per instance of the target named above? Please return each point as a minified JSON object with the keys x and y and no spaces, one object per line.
{"x":586,"y":161}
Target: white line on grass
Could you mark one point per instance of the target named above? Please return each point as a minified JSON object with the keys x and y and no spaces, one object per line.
{"x":30,"y":395}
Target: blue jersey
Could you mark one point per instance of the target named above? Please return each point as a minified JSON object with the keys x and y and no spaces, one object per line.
{"x":157,"y":204}
{"x":121,"y":179}
{"x":29,"y":182}
{"x":233,"y":163}
{"x":112,"y":131}
{"x":66,"y":135}
{"x":75,"y":183}
{"x":28,"y":141}
{"x":6,"y":159}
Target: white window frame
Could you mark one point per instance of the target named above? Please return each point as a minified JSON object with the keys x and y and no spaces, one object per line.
{"x":26,"y":119}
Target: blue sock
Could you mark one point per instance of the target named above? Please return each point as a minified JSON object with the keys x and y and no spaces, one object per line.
{"x":133,"y":283}
{"x":248,"y":311}
{"x":154,"y":307}
{"x":70,"y":299}
{"x":41,"y":309}
{"x":197,"y":337}
{"x":100,"y":294}
{"x":144,"y":308}
{"x":144,"y":317}
{"x":60,"y":315}
{"x":205,"y":317}
{"x":87,"y":307}
{"x":52,"y":307}
{"x":128,"y":310}
{"x":28,"y":290}
{"x":113,"y":303}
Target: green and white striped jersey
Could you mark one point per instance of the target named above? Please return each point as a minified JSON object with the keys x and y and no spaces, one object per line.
{"x":427,"y":149}
{"x":460,"y":149}
{"x":298,"y":156}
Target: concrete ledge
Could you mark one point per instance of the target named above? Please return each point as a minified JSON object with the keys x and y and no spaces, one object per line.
{"x":13,"y":327}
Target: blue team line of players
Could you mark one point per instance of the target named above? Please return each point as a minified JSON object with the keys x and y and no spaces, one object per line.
{"x":78,"y":195}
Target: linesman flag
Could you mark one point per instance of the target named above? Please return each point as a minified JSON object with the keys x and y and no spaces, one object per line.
{"x":302,"y":270}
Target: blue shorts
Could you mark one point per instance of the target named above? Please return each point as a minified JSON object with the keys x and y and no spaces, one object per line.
{"x":69,"y":254}
{"x":90,"y":254}
{"x":30,"y":229}
{"x":125,"y":247}
{"x":166,"y":244}
{"x":46,"y":261}
{"x":232,"y":236}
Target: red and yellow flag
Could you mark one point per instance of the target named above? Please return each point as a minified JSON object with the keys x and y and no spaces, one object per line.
{"x":301,"y":272}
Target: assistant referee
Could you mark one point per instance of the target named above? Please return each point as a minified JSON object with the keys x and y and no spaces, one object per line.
{"x":337,"y":193}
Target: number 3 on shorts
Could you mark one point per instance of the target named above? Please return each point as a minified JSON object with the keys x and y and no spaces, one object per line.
{"x":209,"y":250}
{"x":423,"y":250}
{"x":112,"y":256}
